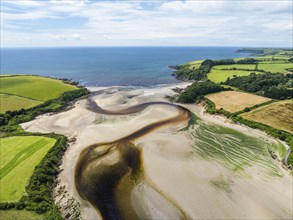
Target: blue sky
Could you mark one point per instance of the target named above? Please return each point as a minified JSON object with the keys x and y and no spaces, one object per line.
{"x":146,"y":23}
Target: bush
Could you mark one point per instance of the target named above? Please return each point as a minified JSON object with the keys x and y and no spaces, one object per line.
{"x":197,"y":91}
{"x":246,"y":109}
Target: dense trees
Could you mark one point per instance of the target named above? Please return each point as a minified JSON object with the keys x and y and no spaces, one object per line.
{"x":276,"y":86}
{"x":196,"y":91}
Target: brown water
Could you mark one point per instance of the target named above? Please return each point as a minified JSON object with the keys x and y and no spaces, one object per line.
{"x":101,"y":166}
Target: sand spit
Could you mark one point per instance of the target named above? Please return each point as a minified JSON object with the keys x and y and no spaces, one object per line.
{"x":176,"y":183}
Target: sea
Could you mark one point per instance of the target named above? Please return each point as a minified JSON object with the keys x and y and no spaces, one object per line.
{"x":108,"y":66}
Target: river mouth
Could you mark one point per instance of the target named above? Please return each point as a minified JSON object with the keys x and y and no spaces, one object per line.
{"x":102,"y":166}
{"x":181,"y":173}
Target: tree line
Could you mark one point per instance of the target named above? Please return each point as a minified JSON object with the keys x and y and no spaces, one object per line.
{"x":271,"y":85}
{"x":185,"y":72}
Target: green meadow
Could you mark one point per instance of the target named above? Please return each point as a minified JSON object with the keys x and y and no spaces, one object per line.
{"x":219,"y":75}
{"x":12,"y":102}
{"x":24,"y":91}
{"x":19,"y":155}
{"x":236,"y":66}
{"x":20,"y":215}
{"x":34,"y":87}
{"x":195,"y":64}
{"x":276,"y":67}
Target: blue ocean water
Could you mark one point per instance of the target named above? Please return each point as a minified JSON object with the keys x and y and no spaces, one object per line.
{"x":108,"y":66}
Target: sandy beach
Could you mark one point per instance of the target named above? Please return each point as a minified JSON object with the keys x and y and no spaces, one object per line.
{"x":174,"y":182}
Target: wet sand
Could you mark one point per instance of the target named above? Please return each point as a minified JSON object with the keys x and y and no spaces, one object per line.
{"x":174,"y":183}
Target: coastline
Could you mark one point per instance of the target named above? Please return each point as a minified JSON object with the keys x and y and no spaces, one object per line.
{"x":92,"y":128}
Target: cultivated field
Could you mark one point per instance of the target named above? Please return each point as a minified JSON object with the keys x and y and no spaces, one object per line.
{"x":277,"y":115}
{"x":234,"y":101}
{"x":236,"y":66}
{"x":25,"y":91}
{"x":19,"y":155}
{"x":195,"y":64}
{"x":12,"y":102}
{"x":218,"y":75}
{"x":19,"y":215}
{"x":276,"y":67}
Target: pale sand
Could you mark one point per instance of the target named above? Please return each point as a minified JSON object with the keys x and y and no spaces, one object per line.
{"x":175,"y":180}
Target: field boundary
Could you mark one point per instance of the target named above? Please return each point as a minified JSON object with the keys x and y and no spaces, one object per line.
{"x":5,"y":93}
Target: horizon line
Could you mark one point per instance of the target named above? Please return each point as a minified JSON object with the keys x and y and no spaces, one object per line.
{"x":40,"y":47}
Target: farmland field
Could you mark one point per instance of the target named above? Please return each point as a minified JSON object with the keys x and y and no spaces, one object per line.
{"x":19,"y":215}
{"x":195,"y":64}
{"x":218,"y":75}
{"x":19,"y":155}
{"x":234,"y":101}
{"x":12,"y":102}
{"x":23,"y":91}
{"x":277,"y":115}
{"x":34,"y":87}
{"x":237,"y":66}
{"x":276,"y":67}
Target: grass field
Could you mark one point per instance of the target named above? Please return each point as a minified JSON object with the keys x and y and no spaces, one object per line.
{"x":237,"y":66}
{"x":34,"y":87}
{"x":19,"y":215}
{"x":273,"y":58}
{"x":12,"y":102}
{"x":277,"y":115}
{"x":19,"y":155}
{"x":27,"y":91}
{"x":217,"y":75}
{"x":234,"y":101}
{"x":275,"y":67}
{"x":195,"y":64}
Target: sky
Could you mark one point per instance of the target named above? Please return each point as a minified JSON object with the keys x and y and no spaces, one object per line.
{"x":54,"y":23}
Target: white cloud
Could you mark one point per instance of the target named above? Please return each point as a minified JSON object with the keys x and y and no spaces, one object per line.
{"x":128,"y":22}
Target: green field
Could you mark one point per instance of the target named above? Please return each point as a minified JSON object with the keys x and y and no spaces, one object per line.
{"x":23,"y":91}
{"x":34,"y":87}
{"x":276,"y":67}
{"x":19,"y":215}
{"x":273,"y":58}
{"x":19,"y":155}
{"x":218,"y":75}
{"x":236,"y":66}
{"x":195,"y":64}
{"x":12,"y":102}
